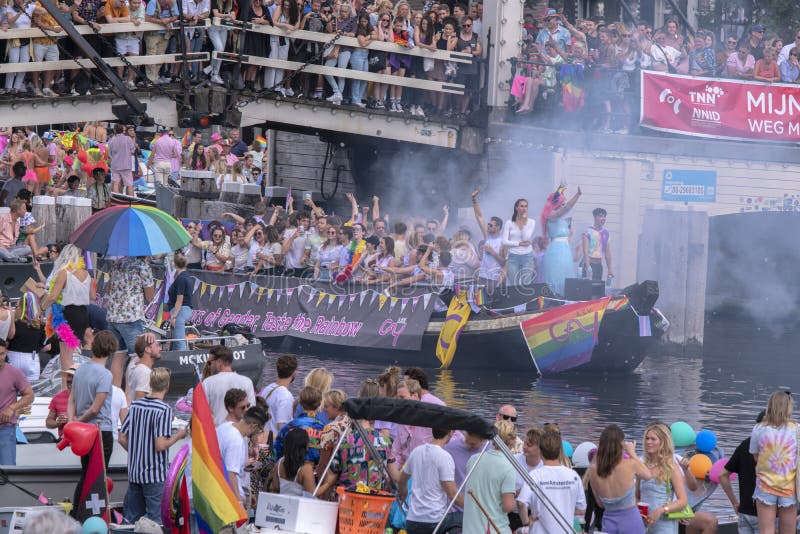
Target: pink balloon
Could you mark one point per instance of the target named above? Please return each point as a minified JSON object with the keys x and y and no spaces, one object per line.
{"x":716,"y":470}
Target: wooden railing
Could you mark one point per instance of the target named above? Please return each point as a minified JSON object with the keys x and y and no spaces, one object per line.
{"x":126,"y":27}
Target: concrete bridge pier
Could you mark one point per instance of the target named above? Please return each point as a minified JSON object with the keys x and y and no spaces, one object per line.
{"x":673,"y":249}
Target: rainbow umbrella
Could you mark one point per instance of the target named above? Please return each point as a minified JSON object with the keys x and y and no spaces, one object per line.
{"x":130,"y":231}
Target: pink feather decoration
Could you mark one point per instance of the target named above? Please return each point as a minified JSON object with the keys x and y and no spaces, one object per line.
{"x":67,"y":336}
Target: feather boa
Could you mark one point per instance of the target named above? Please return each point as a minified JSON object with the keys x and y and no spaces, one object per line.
{"x":56,"y":323}
{"x":356,"y":250}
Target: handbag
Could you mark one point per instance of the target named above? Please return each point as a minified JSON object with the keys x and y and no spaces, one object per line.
{"x":333,"y":53}
{"x":684,"y":513}
{"x":376,"y":61}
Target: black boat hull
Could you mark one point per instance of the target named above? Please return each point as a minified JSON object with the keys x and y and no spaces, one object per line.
{"x":495,"y":344}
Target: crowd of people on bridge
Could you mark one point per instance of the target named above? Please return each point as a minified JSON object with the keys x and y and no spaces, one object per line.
{"x":560,"y":61}
{"x":436,"y":26}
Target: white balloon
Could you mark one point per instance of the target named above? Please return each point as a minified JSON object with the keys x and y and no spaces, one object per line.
{"x":580,"y":458}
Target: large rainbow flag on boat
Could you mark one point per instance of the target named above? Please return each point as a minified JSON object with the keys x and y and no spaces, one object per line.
{"x":564,"y":337}
{"x":215,"y":503}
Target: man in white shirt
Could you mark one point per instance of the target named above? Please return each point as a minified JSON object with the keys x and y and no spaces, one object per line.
{"x":279,"y":399}
{"x":295,"y":244}
{"x":561,"y":486}
{"x":432,"y":473}
{"x":224,"y":378}
{"x":784,"y":54}
{"x":233,"y":446}
{"x":148,"y":350}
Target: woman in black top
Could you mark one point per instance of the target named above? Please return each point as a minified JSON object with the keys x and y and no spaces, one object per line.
{"x":468,"y":73}
{"x":180,"y":299}
{"x":29,"y":337}
{"x":256,"y":44}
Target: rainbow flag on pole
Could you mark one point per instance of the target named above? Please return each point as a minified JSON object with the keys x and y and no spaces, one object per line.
{"x":216,"y":504}
{"x":564,"y":337}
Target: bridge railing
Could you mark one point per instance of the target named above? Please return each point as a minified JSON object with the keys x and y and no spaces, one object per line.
{"x":233,"y":56}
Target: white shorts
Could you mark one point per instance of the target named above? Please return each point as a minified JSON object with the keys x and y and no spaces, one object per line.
{"x":42,"y":52}
{"x":27,"y":362}
{"x":130,"y":46}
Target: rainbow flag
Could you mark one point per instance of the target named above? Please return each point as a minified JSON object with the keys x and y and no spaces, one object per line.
{"x":186,"y":140}
{"x":261,"y":141}
{"x":216,"y":504}
{"x":564,"y":337}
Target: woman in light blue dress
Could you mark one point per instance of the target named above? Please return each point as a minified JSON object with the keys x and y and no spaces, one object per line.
{"x":558,"y":263}
{"x":665,"y":492}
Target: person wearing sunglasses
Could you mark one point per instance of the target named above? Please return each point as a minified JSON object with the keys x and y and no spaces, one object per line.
{"x":790,"y":69}
{"x":509,"y":413}
{"x":722,"y":56}
{"x":329,"y":253}
{"x":492,"y":270}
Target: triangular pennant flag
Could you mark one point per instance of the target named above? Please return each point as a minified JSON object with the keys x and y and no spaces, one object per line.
{"x":322,"y":295}
{"x":260,"y":294}
{"x":519,"y":308}
{"x":311,"y":294}
{"x":271,"y":292}
{"x":203,"y":287}
{"x":196,"y":285}
{"x":403,"y":304}
{"x":426,"y":298}
{"x":352,"y":298}
{"x":211,"y":291}
{"x":541,"y":302}
{"x":342,"y":299}
{"x":414,"y":301}
{"x":289,"y":292}
{"x":393,"y":303}
{"x":361,"y":297}
{"x":382,"y":299}
{"x":221,"y":292}
{"x":241,"y":289}
{"x":372,"y":300}
{"x":253,"y":288}
{"x":230,"y":290}
{"x":331,"y":298}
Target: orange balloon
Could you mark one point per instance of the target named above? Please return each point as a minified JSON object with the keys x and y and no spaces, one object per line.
{"x":700,"y":465}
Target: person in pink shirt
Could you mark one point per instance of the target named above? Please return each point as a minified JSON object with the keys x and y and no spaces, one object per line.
{"x":9,"y":234}
{"x":160,"y":160}
{"x":120,"y":150}
{"x":419,"y":375}
{"x":216,"y":139}
{"x":741,"y":64}
{"x":175,"y":161}
{"x":409,"y":437}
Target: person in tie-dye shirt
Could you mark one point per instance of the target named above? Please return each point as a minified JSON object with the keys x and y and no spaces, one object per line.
{"x":596,"y":247}
{"x":773,"y":444}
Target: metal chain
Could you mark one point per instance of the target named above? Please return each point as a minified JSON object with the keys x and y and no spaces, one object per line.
{"x":150,"y":85}
{"x":243,"y":101}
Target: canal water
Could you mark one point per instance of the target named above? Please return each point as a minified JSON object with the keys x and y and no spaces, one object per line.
{"x":722,"y":389}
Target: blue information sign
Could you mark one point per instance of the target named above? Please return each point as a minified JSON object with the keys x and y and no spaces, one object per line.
{"x":689,"y":186}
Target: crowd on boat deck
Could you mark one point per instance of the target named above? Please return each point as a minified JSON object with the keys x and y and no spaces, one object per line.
{"x":296,"y":439}
{"x":366,"y":246}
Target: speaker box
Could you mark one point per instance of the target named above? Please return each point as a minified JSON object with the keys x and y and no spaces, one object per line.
{"x":642,"y":296}
{"x":583,"y":289}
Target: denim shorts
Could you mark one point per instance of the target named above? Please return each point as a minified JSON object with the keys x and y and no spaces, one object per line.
{"x":773,"y":500}
{"x":126,"y":334}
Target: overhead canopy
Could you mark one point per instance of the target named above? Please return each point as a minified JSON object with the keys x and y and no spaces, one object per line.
{"x":417,"y":413}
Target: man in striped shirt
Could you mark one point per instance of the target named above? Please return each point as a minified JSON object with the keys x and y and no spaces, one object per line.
{"x":147,"y":436}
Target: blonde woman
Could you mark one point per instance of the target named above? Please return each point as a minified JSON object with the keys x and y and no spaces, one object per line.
{"x":773,"y":444}
{"x":321,"y":379}
{"x":73,"y":285}
{"x":665,"y":492}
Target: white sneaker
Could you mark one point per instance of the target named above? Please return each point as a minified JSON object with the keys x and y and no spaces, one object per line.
{"x":360,"y":104}
{"x":335,"y":97}
{"x":217,"y":80}
{"x":396,"y":108}
{"x":420,"y":112}
{"x":73,"y":92}
{"x":38,"y":92}
{"x":87,"y":93}
{"x":281,"y":90}
{"x":317,"y":95}
{"x":48,"y":92}
{"x":289,"y":92}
